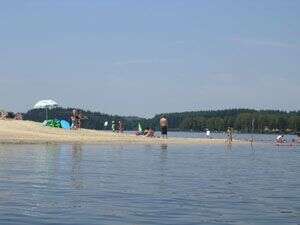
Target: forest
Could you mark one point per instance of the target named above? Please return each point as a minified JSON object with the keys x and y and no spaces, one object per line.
{"x":241,"y":120}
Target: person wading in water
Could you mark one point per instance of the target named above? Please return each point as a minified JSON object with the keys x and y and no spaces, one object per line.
{"x":164,"y":127}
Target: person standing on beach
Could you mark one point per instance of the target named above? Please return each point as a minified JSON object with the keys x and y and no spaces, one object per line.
{"x":164,"y":127}
{"x":230,"y":134}
{"x":74,"y":119}
{"x":121,"y":127}
{"x":113,"y":126}
{"x":207,"y":133}
{"x":79,"y":118}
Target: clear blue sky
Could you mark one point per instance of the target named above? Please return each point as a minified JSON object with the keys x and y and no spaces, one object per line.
{"x":146,"y":57}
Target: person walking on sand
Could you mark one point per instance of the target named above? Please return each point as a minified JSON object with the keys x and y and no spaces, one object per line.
{"x":164,"y":127}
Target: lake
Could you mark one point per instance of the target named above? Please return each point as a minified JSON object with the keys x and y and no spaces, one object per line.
{"x":219,"y":135}
{"x":149,"y":184}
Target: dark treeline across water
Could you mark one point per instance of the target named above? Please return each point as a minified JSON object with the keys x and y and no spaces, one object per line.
{"x":242,"y":120}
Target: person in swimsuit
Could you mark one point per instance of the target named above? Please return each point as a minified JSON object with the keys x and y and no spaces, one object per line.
{"x":150,"y":133}
{"x":121,"y":127}
{"x":75,"y":119}
{"x":164,"y":127}
{"x":280,"y":139}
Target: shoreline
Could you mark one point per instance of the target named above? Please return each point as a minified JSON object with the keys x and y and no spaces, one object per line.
{"x":28,"y":132}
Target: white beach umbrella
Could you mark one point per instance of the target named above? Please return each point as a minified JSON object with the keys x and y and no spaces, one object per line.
{"x":45,"y":104}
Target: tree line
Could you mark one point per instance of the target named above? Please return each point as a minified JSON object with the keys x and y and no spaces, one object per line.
{"x":242,"y":120}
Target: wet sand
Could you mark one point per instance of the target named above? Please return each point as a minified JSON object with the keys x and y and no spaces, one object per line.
{"x":28,"y":132}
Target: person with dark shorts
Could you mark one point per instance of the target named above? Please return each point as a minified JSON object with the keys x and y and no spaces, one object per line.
{"x":164,"y":127}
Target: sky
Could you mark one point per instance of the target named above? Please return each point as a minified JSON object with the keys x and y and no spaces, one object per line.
{"x":145,"y":57}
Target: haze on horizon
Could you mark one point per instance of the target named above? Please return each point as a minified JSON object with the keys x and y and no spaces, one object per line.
{"x":146,"y":57}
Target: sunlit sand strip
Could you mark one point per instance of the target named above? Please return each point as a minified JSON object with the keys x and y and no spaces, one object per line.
{"x":27,"y":132}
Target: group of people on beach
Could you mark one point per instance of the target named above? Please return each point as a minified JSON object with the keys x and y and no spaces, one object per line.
{"x":117,"y":127}
{"x":76,"y":119}
{"x":280,"y":139}
{"x":10,"y":115}
{"x":150,"y":132}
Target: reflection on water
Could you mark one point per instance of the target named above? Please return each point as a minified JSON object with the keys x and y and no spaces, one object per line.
{"x":76,"y":177}
{"x":164,"y":146}
{"x":228,"y":145}
{"x":149,"y":184}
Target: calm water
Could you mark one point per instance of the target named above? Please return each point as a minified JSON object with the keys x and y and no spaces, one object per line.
{"x":149,"y":184}
{"x":240,"y":136}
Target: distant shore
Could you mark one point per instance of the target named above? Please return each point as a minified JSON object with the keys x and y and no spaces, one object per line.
{"x":28,"y":132}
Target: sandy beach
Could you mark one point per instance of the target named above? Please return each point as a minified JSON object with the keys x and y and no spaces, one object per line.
{"x":28,"y":132}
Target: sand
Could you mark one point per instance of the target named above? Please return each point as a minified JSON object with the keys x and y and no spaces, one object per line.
{"x":28,"y":132}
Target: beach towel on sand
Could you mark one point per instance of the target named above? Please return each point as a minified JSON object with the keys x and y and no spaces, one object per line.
{"x":53,"y":123}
